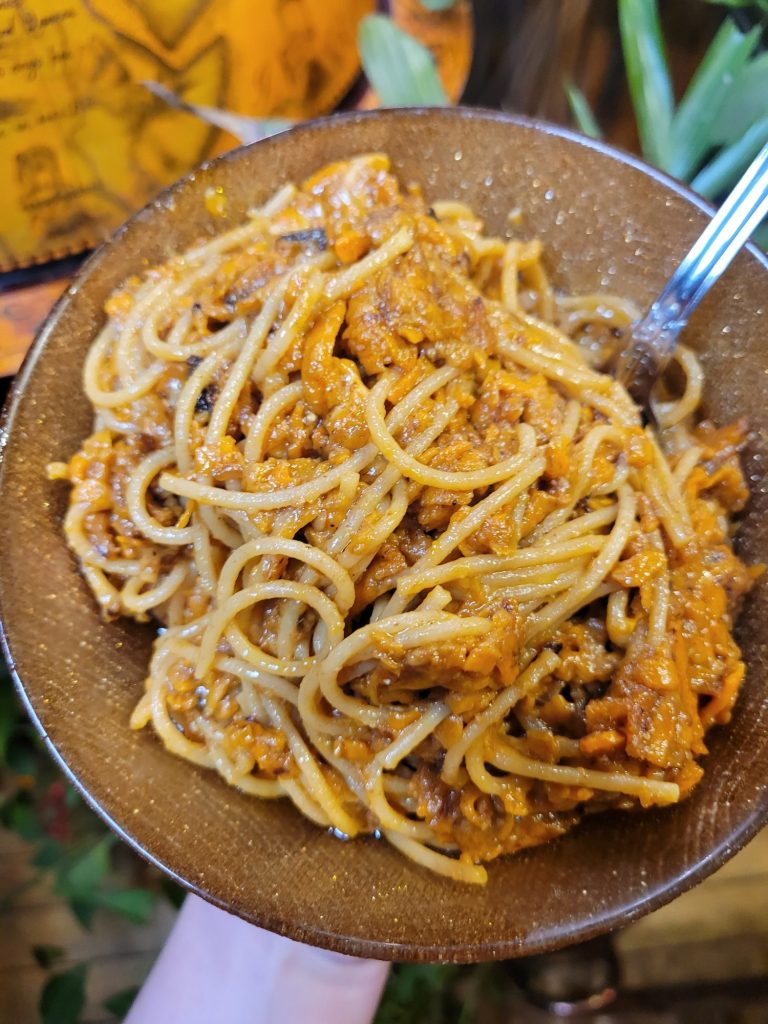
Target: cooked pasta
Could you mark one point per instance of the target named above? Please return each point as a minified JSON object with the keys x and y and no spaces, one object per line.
{"x":416,"y":562}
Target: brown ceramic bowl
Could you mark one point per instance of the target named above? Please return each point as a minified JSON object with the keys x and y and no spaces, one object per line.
{"x":607,"y":222}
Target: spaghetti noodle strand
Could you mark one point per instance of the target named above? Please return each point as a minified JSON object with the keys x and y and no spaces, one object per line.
{"x":418,"y":567}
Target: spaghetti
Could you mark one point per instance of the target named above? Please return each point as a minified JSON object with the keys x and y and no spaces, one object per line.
{"x":419,"y":566}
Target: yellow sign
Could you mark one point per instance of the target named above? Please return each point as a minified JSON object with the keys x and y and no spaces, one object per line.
{"x":83,"y":143}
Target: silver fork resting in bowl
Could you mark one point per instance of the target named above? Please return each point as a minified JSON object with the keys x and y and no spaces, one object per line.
{"x":653,"y":338}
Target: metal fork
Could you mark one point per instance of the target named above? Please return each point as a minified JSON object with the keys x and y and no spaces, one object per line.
{"x":653,"y":338}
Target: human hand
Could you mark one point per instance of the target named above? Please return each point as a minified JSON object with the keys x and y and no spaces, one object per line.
{"x":216,"y":968}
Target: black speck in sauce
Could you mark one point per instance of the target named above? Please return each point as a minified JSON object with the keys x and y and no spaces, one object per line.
{"x":206,"y":398}
{"x":316,"y":237}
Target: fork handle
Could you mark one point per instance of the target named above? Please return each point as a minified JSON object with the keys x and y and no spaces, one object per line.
{"x":710,"y":255}
{"x":654,"y":336}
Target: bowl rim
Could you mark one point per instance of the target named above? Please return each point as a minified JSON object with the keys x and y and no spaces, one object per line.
{"x":603,"y":921}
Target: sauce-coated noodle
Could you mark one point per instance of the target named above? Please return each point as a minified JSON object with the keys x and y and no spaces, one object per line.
{"x":419,"y":565}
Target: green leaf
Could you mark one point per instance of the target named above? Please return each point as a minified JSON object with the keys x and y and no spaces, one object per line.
{"x":120,"y":1003}
{"x":83,"y":908}
{"x":401,"y":70}
{"x":760,"y":4}
{"x":87,"y":872}
{"x":72,"y":798}
{"x":691,"y":131}
{"x":246,"y":129}
{"x":746,"y":102}
{"x":46,"y":956}
{"x":63,"y":997}
{"x":760,"y":237}
{"x":437,"y":5}
{"x":134,"y":904}
{"x":22,"y":758}
{"x":582,"y":112}
{"x":172,"y":892}
{"x":78,"y":882}
{"x":49,"y":854}
{"x":23,"y":819}
{"x":419,"y":994}
{"x":648,"y":76}
{"x":722,"y":173}
{"x":10,"y":713}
